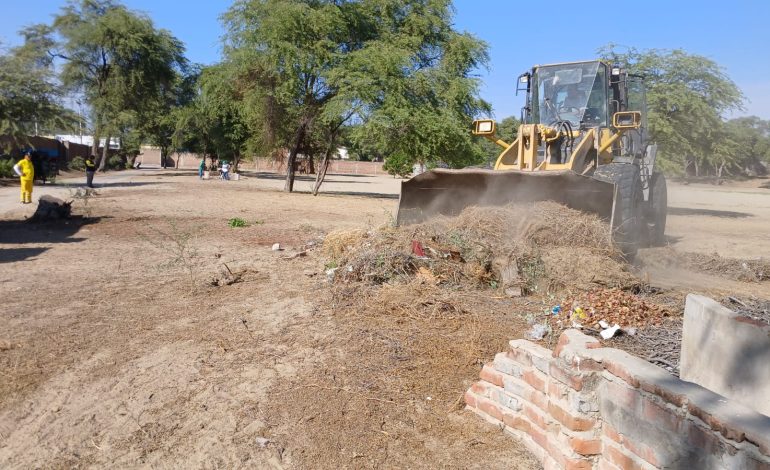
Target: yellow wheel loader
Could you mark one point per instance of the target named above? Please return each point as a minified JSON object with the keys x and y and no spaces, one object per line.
{"x":582,"y":142}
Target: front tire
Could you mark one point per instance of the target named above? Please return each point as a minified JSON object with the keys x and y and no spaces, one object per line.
{"x":657,"y":208}
{"x":629,"y":198}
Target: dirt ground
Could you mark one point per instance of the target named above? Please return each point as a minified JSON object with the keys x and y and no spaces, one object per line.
{"x":117,"y":349}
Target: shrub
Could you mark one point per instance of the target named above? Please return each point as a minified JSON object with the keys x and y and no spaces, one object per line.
{"x":6,"y":168}
{"x":116,"y":162}
{"x":78,"y":163}
{"x":236,"y":222}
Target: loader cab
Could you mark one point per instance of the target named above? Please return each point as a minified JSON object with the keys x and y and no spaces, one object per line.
{"x":588,"y":95}
{"x":576,"y":93}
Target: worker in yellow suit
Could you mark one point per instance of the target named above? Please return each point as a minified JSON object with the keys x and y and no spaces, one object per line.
{"x":26,"y":172}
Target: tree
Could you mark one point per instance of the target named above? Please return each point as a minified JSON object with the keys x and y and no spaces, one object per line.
{"x":30,"y":98}
{"x":687,"y":95}
{"x":117,"y":59}
{"x":394,"y":69}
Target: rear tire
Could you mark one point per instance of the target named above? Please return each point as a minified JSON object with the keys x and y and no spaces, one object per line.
{"x":627,"y":218}
{"x":657,"y":208}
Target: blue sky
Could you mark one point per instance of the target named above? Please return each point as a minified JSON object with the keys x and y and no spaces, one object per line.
{"x":520,"y":34}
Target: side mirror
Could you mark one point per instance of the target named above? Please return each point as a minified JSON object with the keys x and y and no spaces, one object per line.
{"x":627,"y":120}
{"x":522,"y":84}
{"x":484,"y":127}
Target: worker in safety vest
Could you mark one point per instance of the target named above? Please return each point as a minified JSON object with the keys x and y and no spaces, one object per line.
{"x":90,"y":170}
{"x":26,"y":172}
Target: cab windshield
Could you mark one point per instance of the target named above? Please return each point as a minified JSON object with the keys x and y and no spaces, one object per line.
{"x":570,"y":92}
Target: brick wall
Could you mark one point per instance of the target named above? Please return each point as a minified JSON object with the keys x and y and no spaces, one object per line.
{"x":582,"y":406}
{"x":339,"y":167}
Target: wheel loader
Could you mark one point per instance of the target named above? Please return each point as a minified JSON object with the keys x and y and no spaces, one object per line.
{"x":583,"y":142}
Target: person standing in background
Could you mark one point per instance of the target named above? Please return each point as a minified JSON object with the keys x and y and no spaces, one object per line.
{"x":90,"y":170}
{"x":26,"y":172}
{"x":201,"y":168}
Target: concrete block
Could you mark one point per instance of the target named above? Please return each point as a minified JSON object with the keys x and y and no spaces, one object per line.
{"x":726,"y":353}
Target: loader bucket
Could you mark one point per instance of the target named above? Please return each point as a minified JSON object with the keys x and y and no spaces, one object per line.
{"x":448,"y":192}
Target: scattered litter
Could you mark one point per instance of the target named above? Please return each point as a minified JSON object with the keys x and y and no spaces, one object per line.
{"x":556,"y":310}
{"x":609,"y":332}
{"x":330,"y":273}
{"x":417,"y":249}
{"x":537,"y":332}
{"x":277,"y":247}
{"x":604,"y":324}
{"x":629,"y":331}
{"x":262,"y":442}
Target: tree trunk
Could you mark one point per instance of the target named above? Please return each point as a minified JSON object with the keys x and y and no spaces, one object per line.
{"x":310,"y":164}
{"x":95,"y":143}
{"x":298,"y":137}
{"x":105,"y":153}
{"x":321,"y":175}
{"x":695,"y":163}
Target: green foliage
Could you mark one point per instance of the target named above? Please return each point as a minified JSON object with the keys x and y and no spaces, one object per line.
{"x":236,"y":222}
{"x":124,"y":66}
{"x":687,"y":95}
{"x":78,"y":164}
{"x":394,"y":71}
{"x":30,"y":98}
{"x":398,"y":165}
{"x":116,"y":162}
{"x":6,"y":168}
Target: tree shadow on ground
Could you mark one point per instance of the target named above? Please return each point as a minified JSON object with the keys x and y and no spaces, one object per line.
{"x":708,"y":212}
{"x":126,"y":184}
{"x":13,"y":255}
{"x":354,"y":193}
{"x":61,"y":231}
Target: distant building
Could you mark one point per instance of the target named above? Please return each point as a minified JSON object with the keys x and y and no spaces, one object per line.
{"x":342,"y":153}
{"x":87,"y":140}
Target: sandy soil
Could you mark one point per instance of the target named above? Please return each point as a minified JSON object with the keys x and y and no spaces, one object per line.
{"x":116,"y":350}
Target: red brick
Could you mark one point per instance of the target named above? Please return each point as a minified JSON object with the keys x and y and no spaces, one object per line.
{"x":518,"y":387}
{"x":574,"y":423}
{"x":519,"y":355}
{"x":619,"y":369}
{"x":610,"y":432}
{"x":559,"y":454}
{"x":517,"y":422}
{"x":578,"y":464}
{"x":535,"y":416}
{"x":490,"y":408}
{"x":535,"y":379}
{"x":622,"y":395}
{"x":727,"y":429}
{"x":480,"y":388}
{"x":557,"y":390}
{"x":604,"y":464}
{"x":642,"y":451}
{"x":660,"y":416}
{"x":563,"y":343}
{"x":567,"y":377}
{"x":539,"y":437}
{"x":489,"y":374}
{"x":586,"y":446}
{"x":620,"y":459}
{"x":678,"y":399}
{"x":470,"y":399}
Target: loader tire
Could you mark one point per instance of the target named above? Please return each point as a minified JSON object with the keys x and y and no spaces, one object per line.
{"x":628,"y":214}
{"x":656,"y":210}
